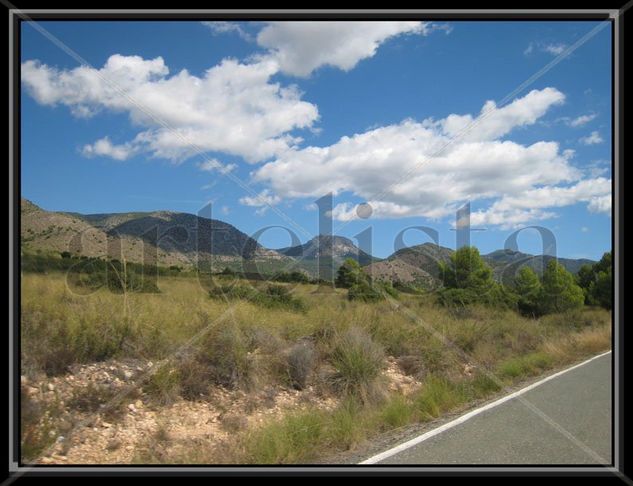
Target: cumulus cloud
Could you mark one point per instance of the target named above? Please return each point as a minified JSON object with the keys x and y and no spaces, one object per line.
{"x":264,"y":198}
{"x":592,"y":139}
{"x":429,"y":168}
{"x":302,"y":47}
{"x":105,"y":148}
{"x":233,"y":108}
{"x":531,"y":205}
{"x":600,"y":204}
{"x":212,"y":165}
{"x":219,"y":27}
{"x":581,"y":120}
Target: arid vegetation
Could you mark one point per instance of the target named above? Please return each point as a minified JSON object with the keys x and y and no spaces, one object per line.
{"x":305,"y":370}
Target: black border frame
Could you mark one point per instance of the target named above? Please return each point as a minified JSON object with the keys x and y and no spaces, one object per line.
{"x":375,"y":470}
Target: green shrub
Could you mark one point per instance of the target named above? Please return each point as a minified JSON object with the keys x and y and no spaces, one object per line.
{"x":358,"y":361}
{"x":278,"y":296}
{"x":349,"y":274}
{"x":273,"y":296}
{"x":294,"y":276}
{"x":364,"y":292}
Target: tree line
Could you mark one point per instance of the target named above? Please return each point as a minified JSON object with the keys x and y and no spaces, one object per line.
{"x":467,"y":279}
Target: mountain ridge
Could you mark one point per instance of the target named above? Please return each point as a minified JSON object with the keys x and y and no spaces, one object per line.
{"x":177,"y":238}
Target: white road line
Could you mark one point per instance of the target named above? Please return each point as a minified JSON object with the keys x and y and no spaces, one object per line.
{"x":449,"y":425}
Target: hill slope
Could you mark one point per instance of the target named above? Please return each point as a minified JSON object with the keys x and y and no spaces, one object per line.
{"x":420,"y":264}
{"x":174,"y":238}
{"x":324,"y":247}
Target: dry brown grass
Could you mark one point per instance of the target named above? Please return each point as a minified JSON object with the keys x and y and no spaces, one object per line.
{"x":253,"y":347}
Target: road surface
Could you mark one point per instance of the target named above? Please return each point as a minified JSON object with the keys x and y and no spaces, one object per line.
{"x":572,"y":425}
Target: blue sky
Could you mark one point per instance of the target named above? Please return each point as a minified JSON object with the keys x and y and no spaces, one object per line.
{"x":262,"y":118}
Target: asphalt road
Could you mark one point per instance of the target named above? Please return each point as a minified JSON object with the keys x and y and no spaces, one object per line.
{"x":573,"y":428}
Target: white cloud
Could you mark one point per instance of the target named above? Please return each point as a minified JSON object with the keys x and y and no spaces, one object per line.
{"x":494,"y":122}
{"x":264,"y":198}
{"x":212,"y":165}
{"x":302,"y":47}
{"x":554,"y":49}
{"x":105,"y":148}
{"x":219,"y":27}
{"x":225,"y":210}
{"x":233,"y":108}
{"x":584,"y":229}
{"x":593,"y":139}
{"x":601,"y":204}
{"x":520,"y":208}
{"x":582,"y":120}
{"x":415,"y":169}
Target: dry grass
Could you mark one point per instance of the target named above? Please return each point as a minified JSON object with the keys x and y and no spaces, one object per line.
{"x":255,"y":346}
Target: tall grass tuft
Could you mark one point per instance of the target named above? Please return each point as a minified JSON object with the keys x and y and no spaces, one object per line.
{"x":358,"y":361}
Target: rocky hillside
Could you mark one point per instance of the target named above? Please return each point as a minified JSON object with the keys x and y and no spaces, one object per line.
{"x":174,"y":238}
{"x":414,"y":265}
{"x":420,"y":264}
{"x":338,"y":248}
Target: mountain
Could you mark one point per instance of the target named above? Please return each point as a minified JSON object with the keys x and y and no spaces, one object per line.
{"x":420,"y":264}
{"x":174,"y":238}
{"x":323,"y":247}
{"x":412,"y":265}
{"x":184,"y":239}
{"x":505,"y":263}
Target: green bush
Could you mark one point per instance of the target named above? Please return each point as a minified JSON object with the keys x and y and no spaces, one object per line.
{"x":278,"y":296}
{"x":349,"y":274}
{"x":294,"y":276}
{"x":273,"y":296}
{"x":358,"y":361}
{"x":364,"y":292}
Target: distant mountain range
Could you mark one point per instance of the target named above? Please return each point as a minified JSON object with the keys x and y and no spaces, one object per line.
{"x":175,"y":238}
{"x":325,"y":246}
{"x":420,"y":264}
